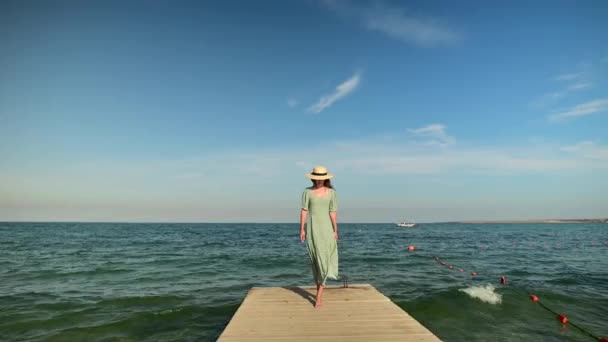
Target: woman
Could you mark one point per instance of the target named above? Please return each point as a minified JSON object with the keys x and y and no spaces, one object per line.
{"x":320,"y":203}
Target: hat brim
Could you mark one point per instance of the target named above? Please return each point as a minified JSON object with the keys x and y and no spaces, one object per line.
{"x":315,"y":177}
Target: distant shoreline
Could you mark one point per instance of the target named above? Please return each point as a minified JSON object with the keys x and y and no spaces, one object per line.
{"x":602,"y":220}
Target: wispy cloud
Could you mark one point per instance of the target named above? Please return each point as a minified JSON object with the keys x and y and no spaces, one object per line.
{"x":435,"y":132}
{"x":569,"y":83}
{"x":408,"y":159}
{"x":580,"y":85}
{"x":569,"y":77}
{"x":398,"y":23}
{"x":292,"y":102}
{"x":582,"y":109}
{"x":341,"y":91}
{"x":168,"y":189}
{"x":589,"y":149}
{"x":571,"y":88}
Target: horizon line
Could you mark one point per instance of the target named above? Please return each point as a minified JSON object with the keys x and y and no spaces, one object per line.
{"x":545,"y":220}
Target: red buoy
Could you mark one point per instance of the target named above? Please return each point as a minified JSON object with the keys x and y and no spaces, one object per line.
{"x":436,"y":258}
{"x":461,"y":270}
{"x":534,"y":298}
{"x":451,"y":267}
{"x":443,"y":263}
{"x":473,"y":273}
{"x":562,"y":319}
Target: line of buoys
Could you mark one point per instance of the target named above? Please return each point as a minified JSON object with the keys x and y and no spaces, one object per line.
{"x":560,"y":317}
{"x":556,"y":245}
{"x":503,"y":279}
{"x":564,"y":319}
{"x":451,"y":267}
{"x":534,"y":245}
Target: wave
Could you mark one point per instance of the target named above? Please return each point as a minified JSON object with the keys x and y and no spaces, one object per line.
{"x":484,"y":293}
{"x":143,"y":301}
{"x":203,"y":323}
{"x":47,"y":275}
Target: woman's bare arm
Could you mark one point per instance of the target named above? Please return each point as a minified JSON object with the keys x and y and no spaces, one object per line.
{"x":334,"y":222}
{"x":303,"y":214}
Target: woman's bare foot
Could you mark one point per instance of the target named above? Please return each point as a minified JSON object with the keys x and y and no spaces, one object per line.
{"x":319,"y":301}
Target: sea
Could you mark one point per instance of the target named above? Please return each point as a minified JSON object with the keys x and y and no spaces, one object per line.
{"x":183,"y":282}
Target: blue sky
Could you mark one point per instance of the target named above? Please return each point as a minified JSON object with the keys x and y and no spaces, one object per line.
{"x":214,"y":111}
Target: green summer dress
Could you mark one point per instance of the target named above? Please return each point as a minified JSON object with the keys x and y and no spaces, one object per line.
{"x":322,"y":246}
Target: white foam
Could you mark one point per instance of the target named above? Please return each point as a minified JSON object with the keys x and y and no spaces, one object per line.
{"x":484,"y":293}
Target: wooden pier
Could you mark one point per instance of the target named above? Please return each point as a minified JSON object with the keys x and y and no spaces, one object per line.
{"x":357,"y":313}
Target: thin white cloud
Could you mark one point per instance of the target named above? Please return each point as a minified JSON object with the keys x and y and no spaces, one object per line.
{"x":588,"y":149}
{"x":141,"y":190}
{"x":569,"y":77}
{"x":571,"y":88}
{"x":414,"y":160}
{"x":580,"y":110}
{"x":292,"y":102}
{"x":435,"y":132}
{"x":341,"y":91}
{"x":580,"y":85}
{"x":238,"y":169}
{"x":395,"y":23}
{"x":572,"y":82}
{"x":398,"y":23}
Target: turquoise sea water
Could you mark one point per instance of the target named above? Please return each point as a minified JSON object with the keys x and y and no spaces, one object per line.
{"x":183,"y":282}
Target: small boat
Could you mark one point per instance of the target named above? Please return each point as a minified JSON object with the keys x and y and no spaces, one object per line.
{"x":407,"y":224}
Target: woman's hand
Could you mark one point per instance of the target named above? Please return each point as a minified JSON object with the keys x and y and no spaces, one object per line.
{"x":302,"y":235}
{"x":336,"y":235}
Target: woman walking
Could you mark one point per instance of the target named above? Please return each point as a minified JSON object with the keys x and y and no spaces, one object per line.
{"x":320,"y":231}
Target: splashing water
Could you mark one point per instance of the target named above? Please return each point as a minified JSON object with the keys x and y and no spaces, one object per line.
{"x":484,"y":293}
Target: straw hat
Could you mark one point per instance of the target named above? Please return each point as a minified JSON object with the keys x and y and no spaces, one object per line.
{"x":319,"y":172}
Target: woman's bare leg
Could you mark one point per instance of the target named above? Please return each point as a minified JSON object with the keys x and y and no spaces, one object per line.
{"x":319,"y":301}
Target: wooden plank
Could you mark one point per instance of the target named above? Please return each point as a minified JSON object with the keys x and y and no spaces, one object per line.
{"x":357,"y":313}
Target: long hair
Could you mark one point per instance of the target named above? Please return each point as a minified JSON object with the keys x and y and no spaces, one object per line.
{"x":327,"y":183}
